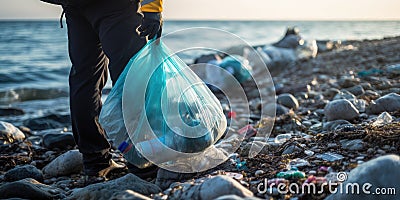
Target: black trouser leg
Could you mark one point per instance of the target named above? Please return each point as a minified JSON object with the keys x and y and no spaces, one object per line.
{"x":116,"y":23}
{"x":87,"y":78}
{"x":102,"y":28}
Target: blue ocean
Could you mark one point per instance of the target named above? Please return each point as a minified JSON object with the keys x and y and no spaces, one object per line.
{"x":34,"y":62}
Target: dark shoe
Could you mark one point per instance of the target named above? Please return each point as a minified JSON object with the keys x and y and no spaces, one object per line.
{"x":165,"y":178}
{"x":99,"y":164}
{"x":96,"y":175}
{"x":113,"y":166}
{"x":149,"y":172}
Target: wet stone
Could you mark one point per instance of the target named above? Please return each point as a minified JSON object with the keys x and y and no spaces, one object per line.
{"x":220,"y":186}
{"x":346,"y":82}
{"x":48,"y":122}
{"x":356,"y":90}
{"x":27,"y":189}
{"x":381,"y":172}
{"x":353,"y":145}
{"x":10,"y":132}
{"x":388,"y":103}
{"x":8,"y":111}
{"x":340,"y":109}
{"x":58,"y":140}
{"x":22,"y":172}
{"x":288,"y":101}
{"x":65,"y":164}
{"x":106,"y":190}
{"x":259,"y":173}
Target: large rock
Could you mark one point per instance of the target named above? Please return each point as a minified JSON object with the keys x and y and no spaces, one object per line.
{"x":108,"y":189}
{"x":340,"y":109}
{"x":211,"y":189}
{"x":358,"y":103}
{"x":388,"y":103}
{"x":220,"y":186}
{"x":28,"y":189}
{"x":356,"y":90}
{"x":382,"y":172}
{"x":10,"y":132}
{"x":58,"y":140}
{"x":346,"y":82}
{"x":288,"y":100}
{"x":292,"y":39}
{"x":166,"y":177}
{"x":68,"y":163}
{"x":48,"y":122}
{"x":22,"y":172}
{"x":11,"y":111}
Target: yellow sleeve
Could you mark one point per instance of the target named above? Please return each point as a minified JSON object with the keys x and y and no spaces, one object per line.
{"x":151,"y":5}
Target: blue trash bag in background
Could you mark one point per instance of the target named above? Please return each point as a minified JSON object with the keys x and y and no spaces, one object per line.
{"x":158,"y":104}
{"x":238,"y":66}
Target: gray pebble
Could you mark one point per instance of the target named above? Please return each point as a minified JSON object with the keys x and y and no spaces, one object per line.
{"x":340,"y":109}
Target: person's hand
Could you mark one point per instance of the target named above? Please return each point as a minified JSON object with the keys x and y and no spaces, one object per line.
{"x":151,"y":25}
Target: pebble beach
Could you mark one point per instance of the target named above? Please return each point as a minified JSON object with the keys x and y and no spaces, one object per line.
{"x":338,"y":121}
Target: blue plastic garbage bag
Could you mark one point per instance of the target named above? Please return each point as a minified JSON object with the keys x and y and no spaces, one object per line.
{"x":159,"y":102}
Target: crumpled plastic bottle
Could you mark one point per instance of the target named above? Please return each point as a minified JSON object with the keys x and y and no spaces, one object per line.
{"x":382,"y":119}
{"x":298,"y":162}
{"x":282,"y":138}
{"x":330,"y":156}
{"x":309,"y":152}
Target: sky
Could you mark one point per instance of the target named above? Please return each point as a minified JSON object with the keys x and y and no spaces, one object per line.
{"x":235,"y":10}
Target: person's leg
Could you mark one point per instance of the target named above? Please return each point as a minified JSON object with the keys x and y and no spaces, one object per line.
{"x":87,"y":77}
{"x":116,"y":23}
